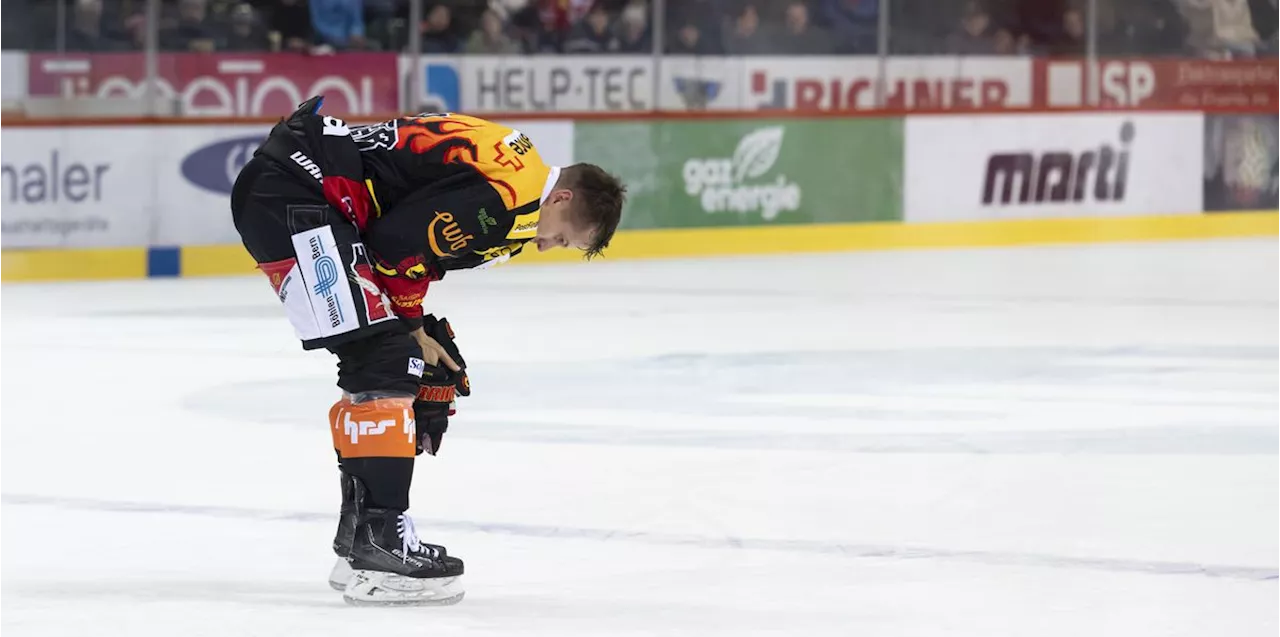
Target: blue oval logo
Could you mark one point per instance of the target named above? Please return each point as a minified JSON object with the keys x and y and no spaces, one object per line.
{"x":215,"y":166}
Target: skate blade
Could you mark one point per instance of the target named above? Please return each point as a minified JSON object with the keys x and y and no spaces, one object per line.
{"x":448,"y":601}
{"x":373,"y":588}
{"x":340,"y":575}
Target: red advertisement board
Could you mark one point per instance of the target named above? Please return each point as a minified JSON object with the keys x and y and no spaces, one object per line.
{"x":228,"y":85}
{"x":1159,"y":83}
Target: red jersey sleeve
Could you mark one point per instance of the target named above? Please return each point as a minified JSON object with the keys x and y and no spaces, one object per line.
{"x":402,"y":270}
{"x":406,"y":295}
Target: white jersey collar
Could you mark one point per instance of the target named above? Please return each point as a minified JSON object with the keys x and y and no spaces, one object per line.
{"x":552,"y":178}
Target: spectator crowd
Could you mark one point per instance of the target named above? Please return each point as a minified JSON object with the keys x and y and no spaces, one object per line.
{"x":1202,"y":28}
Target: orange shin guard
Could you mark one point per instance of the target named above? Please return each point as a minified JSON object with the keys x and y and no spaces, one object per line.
{"x":380,"y":428}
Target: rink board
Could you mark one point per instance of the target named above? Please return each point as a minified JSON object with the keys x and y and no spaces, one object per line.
{"x":223,"y":260}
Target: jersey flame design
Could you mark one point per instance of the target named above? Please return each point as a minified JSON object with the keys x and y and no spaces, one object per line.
{"x":459,"y":139}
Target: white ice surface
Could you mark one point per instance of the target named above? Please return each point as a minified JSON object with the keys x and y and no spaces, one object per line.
{"x":1053,"y":442}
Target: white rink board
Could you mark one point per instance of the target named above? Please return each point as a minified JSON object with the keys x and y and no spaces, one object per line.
{"x":948,"y":160}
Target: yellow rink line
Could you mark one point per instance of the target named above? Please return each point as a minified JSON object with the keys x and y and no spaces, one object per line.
{"x":73,"y":264}
{"x":896,"y":235}
{"x":220,"y":260}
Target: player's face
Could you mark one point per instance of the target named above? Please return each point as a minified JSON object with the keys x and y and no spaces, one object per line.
{"x":557,"y":227}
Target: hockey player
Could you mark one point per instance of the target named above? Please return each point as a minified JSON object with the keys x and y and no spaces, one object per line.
{"x":350,"y":225}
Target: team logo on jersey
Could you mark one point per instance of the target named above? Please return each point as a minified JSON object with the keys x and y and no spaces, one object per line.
{"x":373,"y":137}
{"x":486,"y":221}
{"x":444,"y":230}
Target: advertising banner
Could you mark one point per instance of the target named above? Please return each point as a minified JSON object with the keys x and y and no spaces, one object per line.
{"x":850,"y":83}
{"x":193,"y":182}
{"x":1240,"y":162}
{"x":698,"y":83}
{"x":82,"y":187}
{"x":1160,"y":83}
{"x":751,"y":172}
{"x":1027,"y":166}
{"x":228,"y":84}
{"x":439,"y":84}
{"x":511,"y":84}
{"x":122,"y":186}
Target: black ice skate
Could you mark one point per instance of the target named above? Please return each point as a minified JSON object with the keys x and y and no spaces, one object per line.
{"x":391,"y":567}
{"x":341,"y":572}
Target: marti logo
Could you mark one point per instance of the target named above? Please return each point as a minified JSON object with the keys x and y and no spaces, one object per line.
{"x":1059,"y":176}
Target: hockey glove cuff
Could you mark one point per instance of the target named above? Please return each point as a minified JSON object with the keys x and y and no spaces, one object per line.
{"x":442,"y":332}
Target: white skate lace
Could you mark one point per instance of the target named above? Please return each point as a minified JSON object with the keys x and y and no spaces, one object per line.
{"x":409,"y":539}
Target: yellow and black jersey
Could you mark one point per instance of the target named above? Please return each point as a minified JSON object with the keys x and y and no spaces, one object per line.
{"x":402,"y":155}
{"x":429,"y":193}
{"x":448,"y":192}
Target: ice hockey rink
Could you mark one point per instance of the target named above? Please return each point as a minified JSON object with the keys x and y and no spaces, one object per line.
{"x":1049,"y":441}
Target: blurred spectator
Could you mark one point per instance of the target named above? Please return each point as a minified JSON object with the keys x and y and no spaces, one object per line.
{"x":798,"y":36}
{"x":192,"y":31}
{"x":745,"y":37}
{"x":1071,"y":39}
{"x":243,"y":31}
{"x":1004,"y":42}
{"x":379,"y":24}
{"x":291,"y":19}
{"x":86,"y":32}
{"x":976,"y":35}
{"x":23,"y":26}
{"x":701,"y":19}
{"x":854,"y":23}
{"x":1142,"y":27}
{"x":506,"y":10}
{"x":338,"y":23}
{"x":1220,"y":28}
{"x":555,"y":19}
{"x":688,"y":40}
{"x":1266,"y":21}
{"x":1039,"y":20}
{"x":437,"y":31}
{"x":490,"y":38}
{"x":592,"y":33}
{"x":1233,"y":27}
{"x":633,"y":29}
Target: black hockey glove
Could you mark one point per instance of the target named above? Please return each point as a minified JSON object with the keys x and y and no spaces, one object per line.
{"x":438,"y":388}
{"x":442,"y":332}
{"x":433,"y":406}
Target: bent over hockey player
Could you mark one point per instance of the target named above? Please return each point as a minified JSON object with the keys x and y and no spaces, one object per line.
{"x":351,"y":224}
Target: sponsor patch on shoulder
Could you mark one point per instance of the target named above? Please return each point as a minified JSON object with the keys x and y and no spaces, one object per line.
{"x":525,"y":226}
{"x":417,"y":366}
